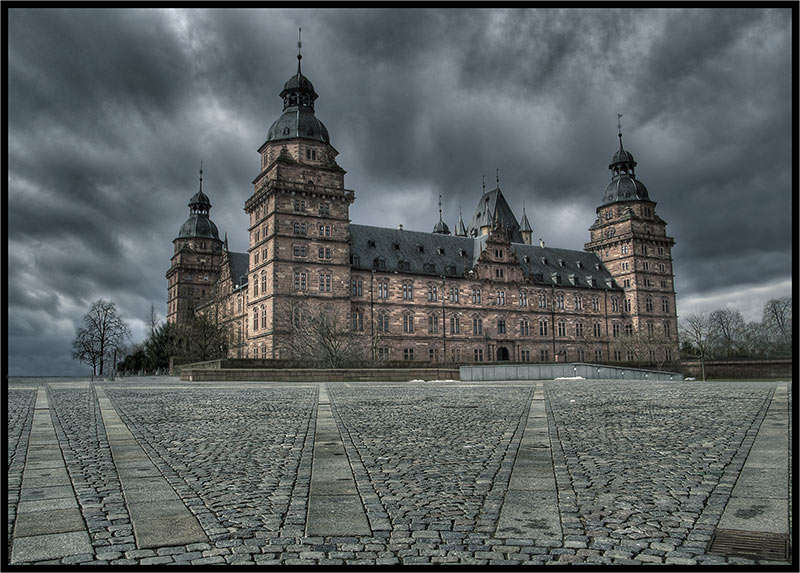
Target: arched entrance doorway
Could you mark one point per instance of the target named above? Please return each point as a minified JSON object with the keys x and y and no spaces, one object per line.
{"x":502,"y":354}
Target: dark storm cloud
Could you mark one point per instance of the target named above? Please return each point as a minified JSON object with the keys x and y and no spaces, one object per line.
{"x":111,"y":111}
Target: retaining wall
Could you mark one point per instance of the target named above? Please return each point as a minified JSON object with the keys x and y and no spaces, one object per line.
{"x":317,"y":374}
{"x":775,"y":368}
{"x":561,"y":370}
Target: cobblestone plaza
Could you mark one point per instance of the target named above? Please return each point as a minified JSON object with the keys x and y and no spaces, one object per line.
{"x":158,"y":471}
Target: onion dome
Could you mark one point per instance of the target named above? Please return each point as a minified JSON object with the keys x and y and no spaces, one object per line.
{"x":298,"y":118}
{"x":441,"y":227}
{"x":624,"y":186}
{"x":198,"y":224}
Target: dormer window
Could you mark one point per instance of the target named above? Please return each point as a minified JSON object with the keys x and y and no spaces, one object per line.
{"x":379,"y":263}
{"x":463,"y":253}
{"x":420,"y":249}
{"x":597,"y":266}
{"x":404,"y":266}
{"x":396,"y":246}
{"x":450,"y":270}
{"x":526,"y":258}
{"x":544,"y":260}
{"x":430,"y":268}
{"x":371,"y":243}
{"x":560,"y":262}
{"x":579,"y":264}
{"x":440,"y":250}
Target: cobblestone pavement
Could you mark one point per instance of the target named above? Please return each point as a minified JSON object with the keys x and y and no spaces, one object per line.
{"x":643,"y":471}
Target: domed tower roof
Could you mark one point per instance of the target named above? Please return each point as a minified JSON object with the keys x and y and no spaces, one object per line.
{"x":623,"y":186}
{"x":198,"y":224}
{"x":298,"y":119}
{"x":441,"y":227}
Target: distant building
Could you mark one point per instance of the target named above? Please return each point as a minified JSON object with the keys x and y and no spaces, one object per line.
{"x":482,"y":294}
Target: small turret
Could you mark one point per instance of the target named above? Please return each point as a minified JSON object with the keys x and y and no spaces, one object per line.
{"x":441,"y":227}
{"x":525,"y":227}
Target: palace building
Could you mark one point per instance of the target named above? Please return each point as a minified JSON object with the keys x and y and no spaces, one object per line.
{"x":483,"y":293}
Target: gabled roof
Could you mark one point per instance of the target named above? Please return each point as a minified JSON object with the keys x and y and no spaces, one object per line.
{"x":452,"y":255}
{"x":239,"y":264}
{"x":493,"y":205}
{"x":426,"y":253}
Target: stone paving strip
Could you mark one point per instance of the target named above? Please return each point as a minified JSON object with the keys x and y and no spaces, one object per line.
{"x":158,"y":515}
{"x":530,"y":508}
{"x":759,"y":501}
{"x":334,"y":506}
{"x":49,"y":524}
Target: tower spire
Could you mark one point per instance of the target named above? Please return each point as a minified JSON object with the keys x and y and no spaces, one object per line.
{"x":619,"y":130}
{"x":299,"y":45}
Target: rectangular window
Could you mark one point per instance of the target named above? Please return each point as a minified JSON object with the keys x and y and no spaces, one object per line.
{"x":501,"y":298}
{"x":579,"y":329}
{"x":624,"y":249}
{"x":562,"y":328}
{"x":408,"y":323}
{"x":542,"y":300}
{"x":325,"y":210}
{"x":542,"y":328}
{"x":667,"y":329}
{"x":615,"y":330}
{"x":627,"y":283}
{"x":478,"y":354}
{"x":264,"y":282}
{"x":524,"y":329}
{"x":628,"y":330}
{"x":581,"y":355}
{"x":383,"y":289}
{"x":255,"y":286}
{"x":358,"y":320}
{"x":383,"y":322}
{"x":383,"y":353}
{"x":325,"y":253}
{"x":299,"y":281}
{"x":453,"y":294}
{"x":560,"y":300}
{"x":408,"y":354}
{"x":300,"y":251}
{"x":258,"y":236}
{"x":648,"y":304}
{"x":476,"y":295}
{"x":324,"y":230}
{"x":433,"y":324}
{"x":595,"y":303}
{"x":523,"y":298}
{"x":432,"y":293}
{"x":596,"y":329}
{"x":525,"y":355}
{"x":544,"y":355}
{"x":664,"y":304}
{"x":578,"y":302}
{"x":501,"y":326}
{"x":477,"y":325}
{"x":255,"y":319}
{"x":626,"y":304}
{"x":615,"y":304}
{"x":598,"y":355}
{"x":650,"y":329}
{"x":299,"y":205}
{"x":357,"y":288}
{"x":408,"y":291}
{"x":263,"y":317}
{"x":455,"y":325}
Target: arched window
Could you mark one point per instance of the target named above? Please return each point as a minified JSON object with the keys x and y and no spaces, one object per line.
{"x":263,"y":316}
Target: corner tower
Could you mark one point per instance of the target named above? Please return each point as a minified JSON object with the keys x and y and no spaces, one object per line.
{"x":196,"y":260}
{"x":299,"y":255}
{"x":631,"y":240}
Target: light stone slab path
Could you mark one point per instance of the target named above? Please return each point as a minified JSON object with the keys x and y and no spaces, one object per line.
{"x":530,"y":508}
{"x":158,"y":515}
{"x":49,"y":524}
{"x":759,"y":501}
{"x":334,"y":506}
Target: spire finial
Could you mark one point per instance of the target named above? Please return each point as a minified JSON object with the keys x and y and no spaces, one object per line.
{"x":299,"y":45}
{"x":523,"y":206}
{"x":497,"y":177}
{"x":483,"y":182}
{"x":619,"y":129}
{"x":201,"y":175}
{"x":440,"y":206}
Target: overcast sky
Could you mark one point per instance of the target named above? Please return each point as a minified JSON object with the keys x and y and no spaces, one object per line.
{"x":111,"y":111}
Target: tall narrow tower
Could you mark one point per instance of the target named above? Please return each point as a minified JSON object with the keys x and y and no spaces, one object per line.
{"x":299,"y":223}
{"x":631,"y":240}
{"x":195,"y":260}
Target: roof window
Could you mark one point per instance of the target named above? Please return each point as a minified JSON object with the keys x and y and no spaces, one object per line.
{"x":371,"y":243}
{"x":404,"y":266}
{"x":396,"y":246}
{"x":560,"y":262}
{"x":440,"y":250}
{"x":379,"y":263}
{"x":429,"y":268}
{"x":420,"y":248}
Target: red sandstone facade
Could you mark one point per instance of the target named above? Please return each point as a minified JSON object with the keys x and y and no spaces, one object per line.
{"x":478,"y":296}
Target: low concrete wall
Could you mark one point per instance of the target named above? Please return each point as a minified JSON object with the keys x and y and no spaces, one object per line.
{"x":549,"y":371}
{"x":740,"y":369}
{"x":317,"y":374}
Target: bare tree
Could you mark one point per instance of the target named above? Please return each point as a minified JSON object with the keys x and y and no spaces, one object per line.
{"x":729,"y":329}
{"x":320,"y":338}
{"x":778,"y":322}
{"x":103,"y":333}
{"x":697,"y":329}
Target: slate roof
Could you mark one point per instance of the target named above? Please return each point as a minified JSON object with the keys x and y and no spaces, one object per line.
{"x":460,"y":254}
{"x":624,"y":188}
{"x":198,"y":225}
{"x":491,"y":202}
{"x":239,"y":264}
{"x":298,"y":121}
